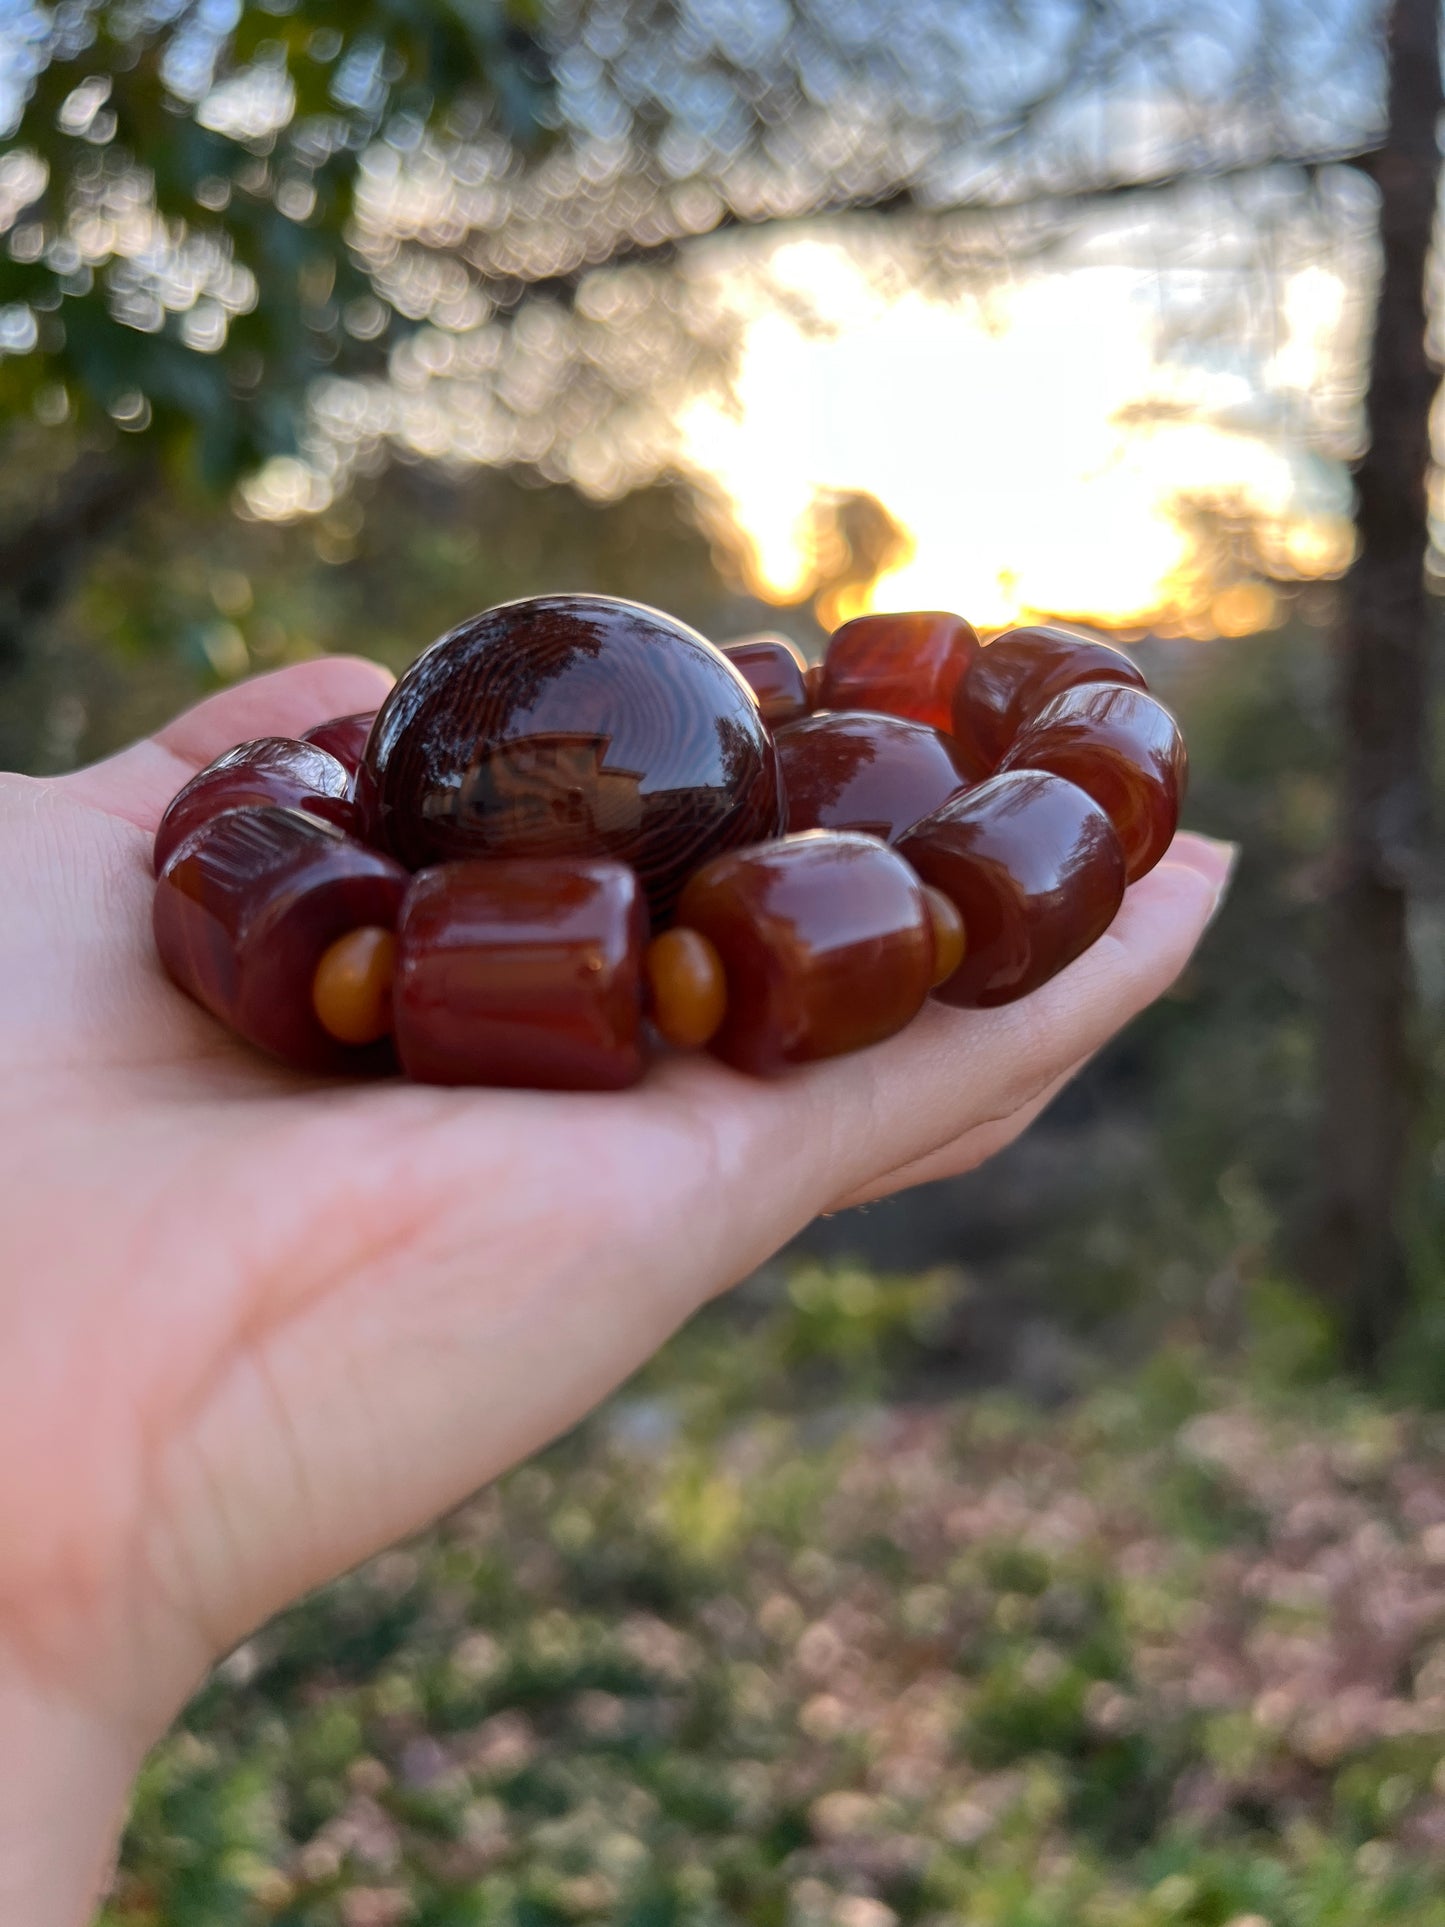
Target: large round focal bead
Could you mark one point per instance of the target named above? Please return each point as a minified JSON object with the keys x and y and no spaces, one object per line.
{"x":856,"y":769}
{"x":572,"y":725}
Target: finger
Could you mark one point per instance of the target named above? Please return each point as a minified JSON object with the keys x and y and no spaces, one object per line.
{"x":138,"y":782}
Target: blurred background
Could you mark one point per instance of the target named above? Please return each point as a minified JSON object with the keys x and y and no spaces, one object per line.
{"x":1064,"y":1545}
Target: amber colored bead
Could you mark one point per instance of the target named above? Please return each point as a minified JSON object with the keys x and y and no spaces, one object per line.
{"x":1011,"y":679}
{"x":572,"y":725}
{"x":687,"y":987}
{"x":343,"y":737}
{"x":275,"y":770}
{"x":906,"y":665}
{"x":856,"y":769}
{"x":351,"y":990}
{"x":773,"y":669}
{"x":949,"y":938}
{"x":244,"y":912}
{"x":826,"y":941}
{"x":1036,"y":872}
{"x":1125,"y":750}
{"x":522,"y":971}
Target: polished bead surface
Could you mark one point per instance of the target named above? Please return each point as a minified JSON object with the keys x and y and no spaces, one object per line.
{"x":343,"y":737}
{"x":687,"y":988}
{"x":246,"y":909}
{"x":773,"y":669}
{"x":573,"y":725}
{"x":1125,"y":750}
{"x":949,"y":939}
{"x":826,"y":941}
{"x":524,"y":972}
{"x":1013,"y":676}
{"x":351,"y":990}
{"x":1035,"y":870}
{"x":856,"y":769}
{"x":907,"y":665}
{"x":273,"y":769}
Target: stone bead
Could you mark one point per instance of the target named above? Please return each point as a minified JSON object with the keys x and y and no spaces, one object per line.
{"x":1036,"y":872}
{"x":1011,"y":679}
{"x":572,"y":725}
{"x":522,"y":971}
{"x":826,"y":940}
{"x":344,"y":737}
{"x":906,"y":665}
{"x":1125,"y":750}
{"x":351,"y":990}
{"x":856,"y":769}
{"x":274,"y":769}
{"x":773,"y":669}
{"x":949,"y":938}
{"x":246,"y":908}
{"x":687,"y":988}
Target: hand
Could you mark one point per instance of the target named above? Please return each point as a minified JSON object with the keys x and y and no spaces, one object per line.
{"x":256,"y":1327}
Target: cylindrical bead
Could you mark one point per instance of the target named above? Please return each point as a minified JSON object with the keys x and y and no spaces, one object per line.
{"x":272,"y":770}
{"x":826,"y":940}
{"x":687,"y":987}
{"x":247,"y":907}
{"x":773,"y":668}
{"x":906,"y":665}
{"x":522,"y":971}
{"x":857,"y":769}
{"x":1125,"y":750}
{"x":1036,"y":872}
{"x":344,"y":737}
{"x":1009,"y":681}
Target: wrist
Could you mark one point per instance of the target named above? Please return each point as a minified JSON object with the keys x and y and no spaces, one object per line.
{"x":65,"y":1779}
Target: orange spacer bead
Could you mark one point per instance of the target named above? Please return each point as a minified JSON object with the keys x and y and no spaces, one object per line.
{"x":949,"y":941}
{"x":689,"y":992}
{"x":351,"y":991}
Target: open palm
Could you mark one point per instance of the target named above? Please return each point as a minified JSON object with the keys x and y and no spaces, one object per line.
{"x":253,"y":1326}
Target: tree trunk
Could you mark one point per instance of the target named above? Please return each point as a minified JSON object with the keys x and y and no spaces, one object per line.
{"x":1369,"y":1086}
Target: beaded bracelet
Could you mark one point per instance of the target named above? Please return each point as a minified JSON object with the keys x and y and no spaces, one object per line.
{"x":468,"y":883}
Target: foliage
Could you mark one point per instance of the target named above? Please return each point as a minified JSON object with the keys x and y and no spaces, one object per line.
{"x":750,"y":1651}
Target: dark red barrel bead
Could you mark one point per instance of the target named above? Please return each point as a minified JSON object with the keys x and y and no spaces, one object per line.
{"x":856,"y":769}
{"x":522,"y":971}
{"x":244,"y":911}
{"x":572,"y":725}
{"x":344,"y":737}
{"x":1125,"y":750}
{"x":906,"y":665}
{"x":773,"y":668}
{"x":1036,"y":872}
{"x":826,"y":940}
{"x":273,"y":769}
{"x":1012,"y":677}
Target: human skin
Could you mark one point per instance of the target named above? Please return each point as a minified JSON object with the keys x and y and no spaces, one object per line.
{"x":254,"y":1327}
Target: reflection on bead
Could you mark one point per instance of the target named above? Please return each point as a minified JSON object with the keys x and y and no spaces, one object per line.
{"x":244,"y":912}
{"x":573,"y":726}
{"x":1012,"y":678}
{"x":856,"y":769}
{"x":522,"y":971}
{"x":687,"y":987}
{"x":906,"y":665}
{"x":773,"y":669}
{"x":344,"y":737}
{"x":826,"y":941}
{"x":351,"y":990}
{"x":1125,"y":750}
{"x":1036,"y":872}
{"x":273,"y":769}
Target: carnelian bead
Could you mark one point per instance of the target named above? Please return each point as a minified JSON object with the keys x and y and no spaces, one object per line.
{"x":1125,"y":750}
{"x":949,"y":938}
{"x":1009,"y":681}
{"x":275,"y":770}
{"x":1035,"y":870}
{"x":856,"y":769}
{"x":351,"y":990}
{"x":522,"y":971}
{"x":687,"y":987}
{"x":773,"y":669}
{"x":826,"y":941}
{"x":906,"y":665}
{"x":244,"y":912}
{"x":344,"y":737}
